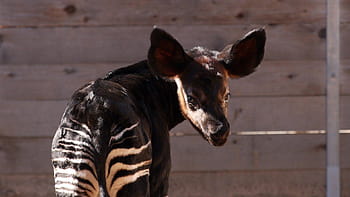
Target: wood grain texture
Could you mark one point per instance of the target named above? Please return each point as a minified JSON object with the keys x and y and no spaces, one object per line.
{"x":29,"y":185}
{"x":273,"y":78}
{"x":308,"y":183}
{"x":88,"y":12}
{"x":192,"y":153}
{"x":130,"y":43}
{"x":30,"y":118}
{"x":28,"y":156}
{"x":254,"y":153}
{"x":48,"y":49}
{"x":48,"y":82}
{"x":41,"y":118}
{"x":288,"y":183}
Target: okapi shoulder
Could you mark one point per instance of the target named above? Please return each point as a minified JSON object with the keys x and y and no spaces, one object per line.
{"x":109,"y":90}
{"x":101,"y":100}
{"x":114,"y":98}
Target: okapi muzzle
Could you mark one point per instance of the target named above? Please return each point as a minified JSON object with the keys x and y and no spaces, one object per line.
{"x":202,"y":75}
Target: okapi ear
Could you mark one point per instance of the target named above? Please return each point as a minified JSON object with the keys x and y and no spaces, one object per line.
{"x":245,"y":55}
{"x":166,"y":57}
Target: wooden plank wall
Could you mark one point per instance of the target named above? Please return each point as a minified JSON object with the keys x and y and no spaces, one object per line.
{"x":50,"y":48}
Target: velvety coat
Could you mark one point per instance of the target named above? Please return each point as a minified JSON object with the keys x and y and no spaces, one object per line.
{"x":113,"y":139}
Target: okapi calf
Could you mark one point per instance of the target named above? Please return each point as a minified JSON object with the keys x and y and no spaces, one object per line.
{"x":113,"y":139}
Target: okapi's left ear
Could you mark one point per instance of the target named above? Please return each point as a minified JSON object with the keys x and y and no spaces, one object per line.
{"x":245,"y":55}
{"x":166,"y":57}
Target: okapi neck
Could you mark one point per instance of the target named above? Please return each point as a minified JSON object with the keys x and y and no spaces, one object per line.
{"x":161,"y":100}
{"x":155,"y":97}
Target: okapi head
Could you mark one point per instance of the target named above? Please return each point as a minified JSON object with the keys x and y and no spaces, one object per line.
{"x":202,"y":77}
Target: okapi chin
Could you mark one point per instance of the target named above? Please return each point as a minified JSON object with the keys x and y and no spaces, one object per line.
{"x":113,"y":139}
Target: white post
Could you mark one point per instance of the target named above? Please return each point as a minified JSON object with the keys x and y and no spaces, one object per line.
{"x":333,"y":170}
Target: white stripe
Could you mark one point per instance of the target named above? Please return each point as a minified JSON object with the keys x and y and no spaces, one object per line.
{"x":75,"y":146}
{"x":70,"y":180}
{"x":71,"y":151}
{"x":75,"y":121}
{"x":66,"y":182}
{"x":81,"y":124}
{"x":59,"y":190}
{"x":125,"y":138}
{"x":86,"y":174}
{"x":121,"y":166}
{"x":122,"y":181}
{"x":64,"y":159}
{"x":82,"y":133}
{"x":77,"y":161}
{"x":90,"y":95}
{"x":85,"y":127}
{"x":125,"y":152}
{"x":70,"y":171}
{"x":76,"y":142}
{"x":66,"y":186}
{"x":119,"y":135}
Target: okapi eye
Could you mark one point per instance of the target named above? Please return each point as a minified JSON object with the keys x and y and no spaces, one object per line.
{"x":192,"y":103}
{"x":227,"y":97}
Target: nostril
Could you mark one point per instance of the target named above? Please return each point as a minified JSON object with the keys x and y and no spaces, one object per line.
{"x":218,"y":126}
{"x":214,"y":126}
{"x":222,"y":129}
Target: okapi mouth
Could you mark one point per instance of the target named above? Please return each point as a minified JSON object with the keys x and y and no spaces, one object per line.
{"x":216,"y":139}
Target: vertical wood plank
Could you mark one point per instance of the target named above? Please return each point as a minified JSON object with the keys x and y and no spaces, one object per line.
{"x":333,"y":171}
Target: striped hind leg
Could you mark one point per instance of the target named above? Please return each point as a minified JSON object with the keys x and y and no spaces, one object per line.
{"x":73,"y":163}
{"x":127,"y":167}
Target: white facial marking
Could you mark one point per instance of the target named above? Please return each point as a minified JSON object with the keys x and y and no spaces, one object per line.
{"x":197,"y":117}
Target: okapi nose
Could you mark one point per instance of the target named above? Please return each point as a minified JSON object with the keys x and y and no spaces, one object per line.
{"x":214,"y":126}
{"x":220,"y":136}
{"x":222,"y":128}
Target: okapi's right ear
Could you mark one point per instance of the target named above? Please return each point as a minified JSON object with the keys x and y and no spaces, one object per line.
{"x":245,"y":55}
{"x":166,"y":57}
